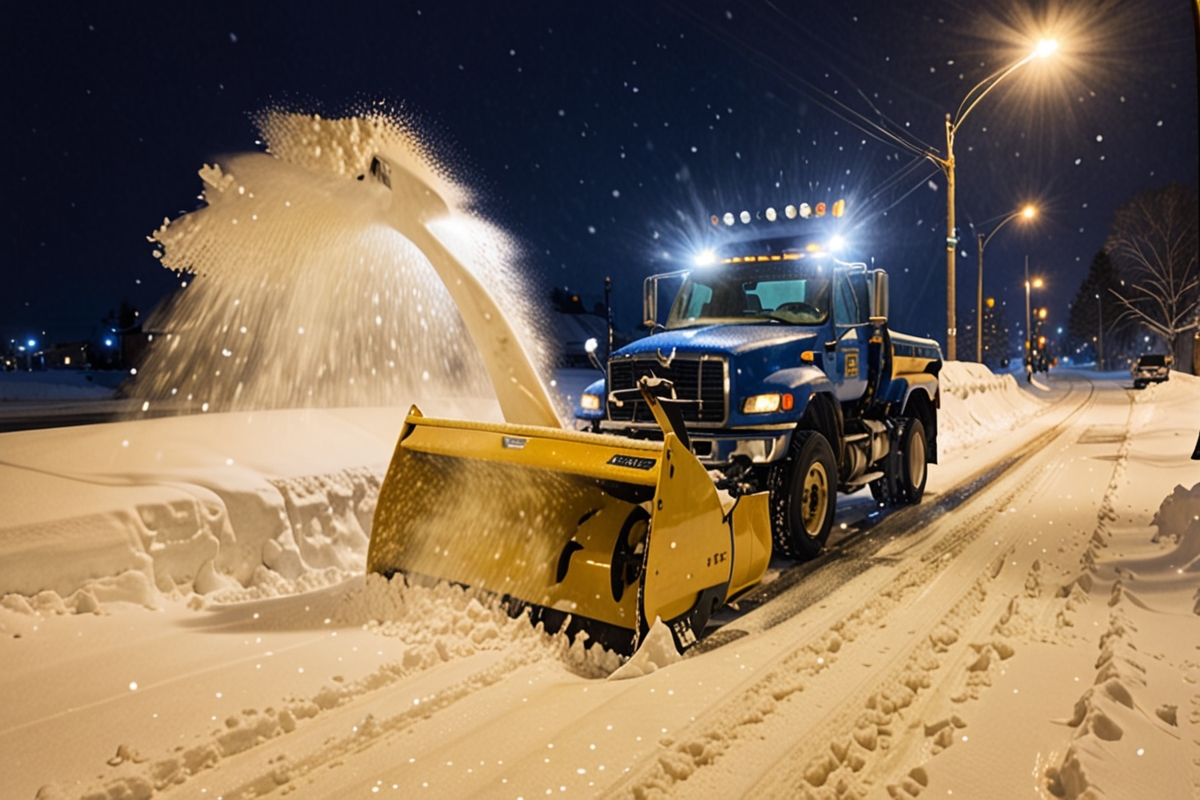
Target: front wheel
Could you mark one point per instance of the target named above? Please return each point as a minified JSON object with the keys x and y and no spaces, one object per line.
{"x":803,"y":497}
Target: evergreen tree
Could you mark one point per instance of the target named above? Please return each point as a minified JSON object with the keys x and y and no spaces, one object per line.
{"x":1096,"y":303}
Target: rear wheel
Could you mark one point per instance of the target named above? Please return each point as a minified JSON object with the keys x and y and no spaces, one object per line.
{"x":803,"y":497}
{"x":914,"y":458}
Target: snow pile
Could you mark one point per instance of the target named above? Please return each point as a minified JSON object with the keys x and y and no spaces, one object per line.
{"x":1178,"y":521}
{"x":232,"y":507}
{"x":442,"y":621}
{"x":977,"y":404}
{"x":656,"y":651}
{"x":56,"y":385}
{"x":294,"y":535}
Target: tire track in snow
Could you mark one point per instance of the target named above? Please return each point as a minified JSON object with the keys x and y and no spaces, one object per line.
{"x":806,"y":583}
{"x":457,"y":647}
{"x":736,"y":722}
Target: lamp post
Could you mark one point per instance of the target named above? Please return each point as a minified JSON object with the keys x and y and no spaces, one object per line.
{"x":1028,"y":212}
{"x":1044,"y":48}
{"x":1036,"y":284}
{"x":1100,"y":348}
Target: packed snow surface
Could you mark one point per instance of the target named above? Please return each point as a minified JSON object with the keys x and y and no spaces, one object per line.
{"x":185,"y":613}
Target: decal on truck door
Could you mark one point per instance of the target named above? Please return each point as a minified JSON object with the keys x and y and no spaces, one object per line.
{"x":851,"y":363}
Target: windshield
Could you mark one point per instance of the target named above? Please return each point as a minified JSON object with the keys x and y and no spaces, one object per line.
{"x":783,"y":291}
{"x":1152,"y":361}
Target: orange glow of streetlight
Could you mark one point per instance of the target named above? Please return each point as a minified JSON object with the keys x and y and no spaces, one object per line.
{"x":1037,"y":283}
{"x":1028,"y":213}
{"x":1045,"y":48}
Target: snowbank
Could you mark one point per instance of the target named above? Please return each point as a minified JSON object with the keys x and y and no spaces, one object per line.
{"x":977,"y":404}
{"x":229,"y":505}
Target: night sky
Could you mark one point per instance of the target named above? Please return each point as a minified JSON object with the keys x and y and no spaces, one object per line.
{"x":603,"y":137}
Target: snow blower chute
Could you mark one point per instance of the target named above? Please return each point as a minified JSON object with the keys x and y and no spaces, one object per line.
{"x":602,"y":533}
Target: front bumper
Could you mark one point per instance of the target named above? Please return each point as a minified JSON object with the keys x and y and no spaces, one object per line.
{"x":720,"y":448}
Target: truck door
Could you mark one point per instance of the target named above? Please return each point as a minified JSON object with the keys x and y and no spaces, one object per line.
{"x":851,"y":311}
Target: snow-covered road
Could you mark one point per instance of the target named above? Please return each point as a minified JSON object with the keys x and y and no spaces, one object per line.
{"x":1025,"y":631}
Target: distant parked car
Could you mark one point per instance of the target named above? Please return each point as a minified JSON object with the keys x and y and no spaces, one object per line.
{"x":1150,"y":368}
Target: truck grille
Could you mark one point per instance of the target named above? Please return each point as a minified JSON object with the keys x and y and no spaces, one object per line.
{"x":700,"y":379}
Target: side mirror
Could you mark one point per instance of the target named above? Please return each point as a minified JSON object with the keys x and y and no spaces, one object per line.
{"x":879,"y":295}
{"x":590,"y":347}
{"x":650,"y":301}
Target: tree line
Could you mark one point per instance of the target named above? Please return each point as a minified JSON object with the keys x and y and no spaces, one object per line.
{"x":1144,"y":282}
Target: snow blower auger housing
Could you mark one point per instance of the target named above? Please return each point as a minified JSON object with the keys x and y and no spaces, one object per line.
{"x":600,"y":533}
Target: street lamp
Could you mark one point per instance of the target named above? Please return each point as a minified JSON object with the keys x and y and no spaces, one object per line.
{"x":1036,"y":284}
{"x":1044,"y":48}
{"x":1028,"y":212}
{"x":1100,"y":348}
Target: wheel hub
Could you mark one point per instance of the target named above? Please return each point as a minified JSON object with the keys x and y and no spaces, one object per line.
{"x":814,"y":499}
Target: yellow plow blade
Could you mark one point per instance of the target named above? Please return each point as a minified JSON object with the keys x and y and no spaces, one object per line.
{"x":613,"y":532}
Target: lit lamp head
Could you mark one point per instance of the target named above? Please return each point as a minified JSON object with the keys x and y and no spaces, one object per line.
{"x":1045,"y":48}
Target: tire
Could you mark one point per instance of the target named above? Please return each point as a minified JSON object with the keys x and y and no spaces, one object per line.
{"x":1139,"y":384}
{"x":804,"y":497}
{"x":913,"y":457}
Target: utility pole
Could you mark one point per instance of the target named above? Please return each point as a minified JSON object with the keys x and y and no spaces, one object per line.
{"x":951,"y":246}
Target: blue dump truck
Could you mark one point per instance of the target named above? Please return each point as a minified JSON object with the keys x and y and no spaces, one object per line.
{"x":788,"y":380}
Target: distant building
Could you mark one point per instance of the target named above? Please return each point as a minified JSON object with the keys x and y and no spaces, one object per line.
{"x":70,"y":355}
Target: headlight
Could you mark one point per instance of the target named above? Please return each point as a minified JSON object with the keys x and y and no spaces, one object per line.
{"x":761,"y":404}
{"x":590,"y":402}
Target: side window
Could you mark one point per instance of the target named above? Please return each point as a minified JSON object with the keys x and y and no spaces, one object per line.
{"x":862,"y":300}
{"x":844,"y":312}
{"x":851,"y":305}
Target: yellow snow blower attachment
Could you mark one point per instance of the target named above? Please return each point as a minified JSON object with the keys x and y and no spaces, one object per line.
{"x":608,"y":532}
{"x":601,"y":533}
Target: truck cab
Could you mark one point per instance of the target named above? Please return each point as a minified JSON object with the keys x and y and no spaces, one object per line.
{"x":769,"y":342}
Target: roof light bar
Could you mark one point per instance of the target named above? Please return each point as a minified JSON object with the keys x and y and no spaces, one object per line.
{"x":804,"y":211}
